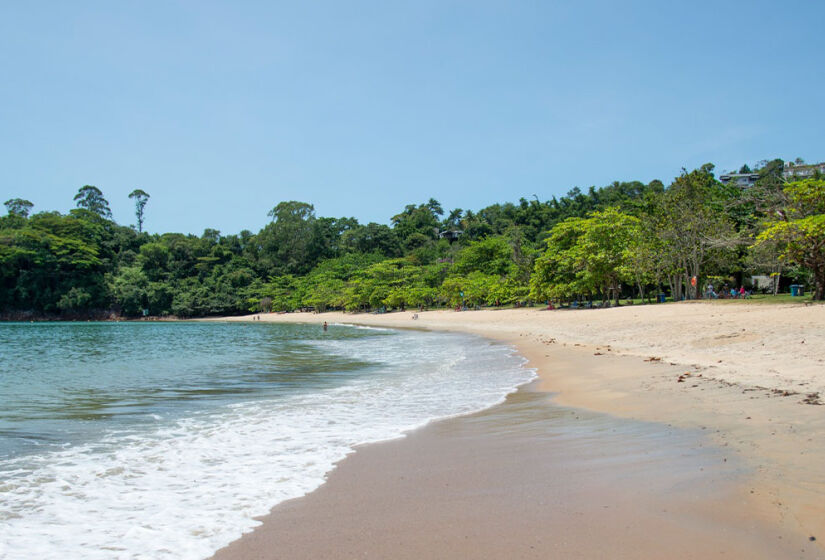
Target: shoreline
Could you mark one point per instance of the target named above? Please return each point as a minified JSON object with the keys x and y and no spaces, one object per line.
{"x":758,"y":419}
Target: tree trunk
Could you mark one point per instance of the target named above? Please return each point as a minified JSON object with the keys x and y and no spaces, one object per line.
{"x":676,"y":287}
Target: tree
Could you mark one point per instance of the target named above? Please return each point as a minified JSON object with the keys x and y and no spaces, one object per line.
{"x":768,"y":188}
{"x":288,"y":242}
{"x":141,"y":198}
{"x":45,"y":257}
{"x":18,"y":207}
{"x":421,"y":220}
{"x":128,"y":289}
{"x":605,"y":248}
{"x":800,"y":229}
{"x":557,"y":272}
{"x":292,"y":211}
{"x":435,"y":207}
{"x":154,"y":259}
{"x":586,"y":256}
{"x":745,"y":169}
{"x":453,"y":220}
{"x":280,"y":294}
{"x":91,"y":198}
{"x":76,"y":299}
{"x":491,"y":255}
{"x":648,"y":258}
{"x":371,"y":238}
{"x":691,"y":219}
{"x":476,"y":288}
{"x":766,"y":257}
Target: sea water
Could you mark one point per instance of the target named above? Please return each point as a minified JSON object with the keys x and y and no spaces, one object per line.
{"x":166,"y":440}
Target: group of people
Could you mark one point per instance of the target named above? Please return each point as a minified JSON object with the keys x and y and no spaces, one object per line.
{"x":732,"y":293}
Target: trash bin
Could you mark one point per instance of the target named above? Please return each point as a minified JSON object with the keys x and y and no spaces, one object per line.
{"x":797,"y":290}
{"x":661,"y":298}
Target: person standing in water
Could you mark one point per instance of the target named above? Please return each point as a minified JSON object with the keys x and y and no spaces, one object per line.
{"x":325,"y":326}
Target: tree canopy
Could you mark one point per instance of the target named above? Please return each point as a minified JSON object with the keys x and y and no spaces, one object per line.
{"x":91,"y":198}
{"x":18,"y":207}
{"x":141,"y":198}
{"x":799,"y":230}
{"x":624,"y":239}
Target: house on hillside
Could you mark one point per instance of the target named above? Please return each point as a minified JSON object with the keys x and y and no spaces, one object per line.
{"x":794,"y":171}
{"x":744,"y":180}
{"x":450,"y":235}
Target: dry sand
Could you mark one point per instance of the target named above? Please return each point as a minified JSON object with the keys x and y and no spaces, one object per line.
{"x":738,"y":468}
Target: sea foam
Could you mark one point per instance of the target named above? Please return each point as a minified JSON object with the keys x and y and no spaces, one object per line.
{"x":182,"y":490}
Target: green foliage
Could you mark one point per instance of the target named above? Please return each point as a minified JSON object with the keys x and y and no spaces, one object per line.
{"x":478,"y":288}
{"x":800,"y":230}
{"x":589,"y":243}
{"x":129,"y":290}
{"x":141,"y":198}
{"x":295,"y":241}
{"x":91,"y":198}
{"x":807,"y":198}
{"x":371,"y":238}
{"x":75,"y":299}
{"x":491,"y":255}
{"x":605,"y":248}
{"x":18,"y":207}
{"x":696,"y":230}
{"x":418,"y":225}
{"x":557,"y":273}
{"x":45,"y":257}
{"x":587,"y":256}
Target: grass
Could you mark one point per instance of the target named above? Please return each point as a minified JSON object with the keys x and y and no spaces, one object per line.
{"x":756,"y":299}
{"x":772,"y":299}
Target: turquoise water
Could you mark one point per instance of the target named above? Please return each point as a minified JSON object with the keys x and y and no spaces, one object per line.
{"x":64,"y":383}
{"x":165,"y":440}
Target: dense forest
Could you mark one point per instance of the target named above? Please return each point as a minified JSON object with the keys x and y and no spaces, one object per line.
{"x":623,"y":240}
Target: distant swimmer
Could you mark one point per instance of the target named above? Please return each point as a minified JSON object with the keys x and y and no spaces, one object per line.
{"x":325,"y":326}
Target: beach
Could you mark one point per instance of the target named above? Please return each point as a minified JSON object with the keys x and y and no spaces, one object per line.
{"x":689,"y":430}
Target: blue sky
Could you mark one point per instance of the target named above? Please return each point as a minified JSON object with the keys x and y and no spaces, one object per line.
{"x":219,"y":110}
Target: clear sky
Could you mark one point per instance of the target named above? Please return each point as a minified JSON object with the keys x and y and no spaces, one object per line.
{"x":219,"y":110}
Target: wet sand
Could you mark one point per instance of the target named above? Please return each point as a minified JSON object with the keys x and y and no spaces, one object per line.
{"x":526,"y":479}
{"x":709,"y":467}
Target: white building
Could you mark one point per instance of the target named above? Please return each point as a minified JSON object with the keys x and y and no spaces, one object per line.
{"x":802,"y":170}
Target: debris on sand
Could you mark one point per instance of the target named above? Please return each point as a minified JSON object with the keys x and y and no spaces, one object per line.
{"x":812,"y":398}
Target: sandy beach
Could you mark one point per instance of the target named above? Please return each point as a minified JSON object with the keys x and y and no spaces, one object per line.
{"x":688,"y":430}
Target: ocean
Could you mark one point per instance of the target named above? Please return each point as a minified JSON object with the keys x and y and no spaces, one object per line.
{"x":166,"y":440}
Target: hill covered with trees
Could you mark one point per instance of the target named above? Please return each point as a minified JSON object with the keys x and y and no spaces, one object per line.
{"x":626,"y":239}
